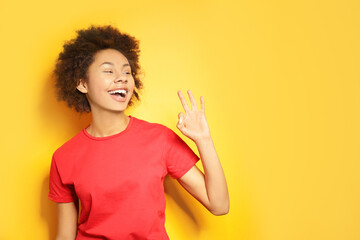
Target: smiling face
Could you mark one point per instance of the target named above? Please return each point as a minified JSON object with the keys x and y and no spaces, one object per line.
{"x":110,"y":84}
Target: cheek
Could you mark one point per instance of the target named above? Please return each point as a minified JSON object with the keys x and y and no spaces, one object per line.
{"x":132,"y":88}
{"x":101,"y":83}
{"x":132,"y":83}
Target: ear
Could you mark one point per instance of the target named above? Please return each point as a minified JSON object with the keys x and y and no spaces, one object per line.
{"x":82,"y":87}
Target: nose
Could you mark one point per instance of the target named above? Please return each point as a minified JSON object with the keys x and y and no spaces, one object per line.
{"x":121,"y":78}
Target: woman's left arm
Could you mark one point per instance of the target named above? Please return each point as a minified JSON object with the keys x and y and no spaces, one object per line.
{"x":209,"y":188}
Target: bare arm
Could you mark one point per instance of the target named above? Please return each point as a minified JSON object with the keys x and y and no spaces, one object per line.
{"x":67,"y":221}
{"x":209,"y":188}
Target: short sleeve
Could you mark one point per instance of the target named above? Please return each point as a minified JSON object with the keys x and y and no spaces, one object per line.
{"x":178,"y":155}
{"x":58,"y":191}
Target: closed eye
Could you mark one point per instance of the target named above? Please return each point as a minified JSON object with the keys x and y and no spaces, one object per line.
{"x":108,"y":71}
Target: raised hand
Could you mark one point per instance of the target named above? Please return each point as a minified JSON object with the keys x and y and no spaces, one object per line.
{"x":193,"y":122}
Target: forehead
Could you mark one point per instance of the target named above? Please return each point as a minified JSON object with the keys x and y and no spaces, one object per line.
{"x":110,"y":55}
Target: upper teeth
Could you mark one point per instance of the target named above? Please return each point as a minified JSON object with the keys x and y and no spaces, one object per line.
{"x":118,"y":91}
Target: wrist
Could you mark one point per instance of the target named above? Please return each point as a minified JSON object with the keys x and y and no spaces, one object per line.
{"x":205,"y":140}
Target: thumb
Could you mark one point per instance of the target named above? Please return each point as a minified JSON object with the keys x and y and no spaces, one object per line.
{"x":181,"y":117}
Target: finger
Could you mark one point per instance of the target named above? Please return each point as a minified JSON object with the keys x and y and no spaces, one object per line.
{"x":192,"y":100}
{"x":183,"y":102}
{"x":180,"y":123}
{"x":202,"y":104}
{"x":181,"y":117}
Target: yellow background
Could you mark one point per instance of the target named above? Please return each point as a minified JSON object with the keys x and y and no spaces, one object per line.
{"x":281,"y":86}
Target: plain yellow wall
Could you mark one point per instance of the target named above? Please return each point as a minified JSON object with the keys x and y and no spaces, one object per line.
{"x":281,"y":86}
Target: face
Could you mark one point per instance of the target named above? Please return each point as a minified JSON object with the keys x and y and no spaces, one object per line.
{"x":110,"y":83}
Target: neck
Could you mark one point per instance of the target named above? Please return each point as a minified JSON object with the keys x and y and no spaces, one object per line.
{"x":107,"y":123}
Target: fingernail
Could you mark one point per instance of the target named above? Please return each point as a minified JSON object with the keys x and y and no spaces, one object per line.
{"x":180,"y":120}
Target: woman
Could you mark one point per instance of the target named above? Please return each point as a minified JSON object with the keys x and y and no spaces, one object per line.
{"x":117,"y":164}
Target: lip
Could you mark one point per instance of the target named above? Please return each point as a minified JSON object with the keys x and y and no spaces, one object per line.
{"x":121,"y":88}
{"x":118,"y":98}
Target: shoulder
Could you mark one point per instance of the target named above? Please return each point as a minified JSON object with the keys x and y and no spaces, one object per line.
{"x":69,"y":146}
{"x":155,"y":132}
{"x":147,"y":126}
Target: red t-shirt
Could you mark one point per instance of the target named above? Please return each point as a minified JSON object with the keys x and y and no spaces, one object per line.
{"x":119,"y":179}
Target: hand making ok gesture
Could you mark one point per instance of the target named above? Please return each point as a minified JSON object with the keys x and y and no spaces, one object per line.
{"x":193,"y":122}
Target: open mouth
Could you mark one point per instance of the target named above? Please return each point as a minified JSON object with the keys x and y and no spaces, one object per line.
{"x":119,"y":94}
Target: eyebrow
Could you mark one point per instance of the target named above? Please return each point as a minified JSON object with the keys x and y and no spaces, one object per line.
{"x":110,"y":63}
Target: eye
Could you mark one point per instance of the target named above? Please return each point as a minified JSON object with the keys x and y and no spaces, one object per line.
{"x":108,"y":71}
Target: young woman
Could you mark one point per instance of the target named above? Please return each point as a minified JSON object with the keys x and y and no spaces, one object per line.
{"x":116,"y":165}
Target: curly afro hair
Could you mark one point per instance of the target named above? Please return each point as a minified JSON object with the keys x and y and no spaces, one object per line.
{"x":73,"y":62}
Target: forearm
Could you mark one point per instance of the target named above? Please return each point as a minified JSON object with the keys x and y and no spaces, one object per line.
{"x":215,"y":182}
